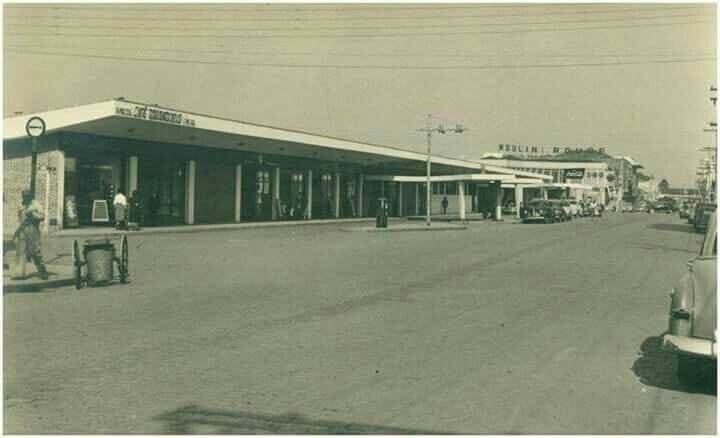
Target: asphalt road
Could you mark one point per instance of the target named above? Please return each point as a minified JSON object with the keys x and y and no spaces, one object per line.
{"x":494,"y":329}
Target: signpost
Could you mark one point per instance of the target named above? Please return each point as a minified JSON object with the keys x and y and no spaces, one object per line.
{"x":35,"y":127}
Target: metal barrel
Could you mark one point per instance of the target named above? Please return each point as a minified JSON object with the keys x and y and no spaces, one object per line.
{"x":99,"y":258}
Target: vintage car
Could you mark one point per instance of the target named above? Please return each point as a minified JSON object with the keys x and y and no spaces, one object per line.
{"x":664,"y":206}
{"x":692,"y":332}
{"x":538,"y":210}
{"x":702,"y":215}
{"x":683,"y":211}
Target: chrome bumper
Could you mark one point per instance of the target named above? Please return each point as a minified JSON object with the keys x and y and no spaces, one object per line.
{"x":693,"y":346}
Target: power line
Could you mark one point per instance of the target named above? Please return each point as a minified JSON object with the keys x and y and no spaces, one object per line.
{"x":363,"y":55}
{"x":412,"y":26}
{"x":372,"y":35}
{"x":363,"y":67}
{"x":345,"y":19}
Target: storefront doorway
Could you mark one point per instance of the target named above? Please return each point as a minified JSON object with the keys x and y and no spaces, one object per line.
{"x":94,"y":177}
{"x":161,"y":187}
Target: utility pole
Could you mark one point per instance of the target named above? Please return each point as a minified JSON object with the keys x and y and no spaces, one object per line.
{"x":459,"y":129}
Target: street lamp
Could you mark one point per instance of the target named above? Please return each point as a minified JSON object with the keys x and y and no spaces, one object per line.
{"x":459,"y":129}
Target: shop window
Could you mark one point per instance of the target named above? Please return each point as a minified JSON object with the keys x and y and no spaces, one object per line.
{"x":435,"y":188}
{"x":451,"y":189}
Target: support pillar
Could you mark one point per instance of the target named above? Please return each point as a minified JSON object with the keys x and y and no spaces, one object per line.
{"x":518,"y":198}
{"x":461,"y":200}
{"x":238,"y":192}
{"x":361,"y":183}
{"x":400,"y":200}
{"x":190,"y":192}
{"x":60,"y":198}
{"x":132,"y":175}
{"x":544,"y":192}
{"x":498,"y":202}
{"x":308,"y":208}
{"x":417,"y":199}
{"x":337,"y":195}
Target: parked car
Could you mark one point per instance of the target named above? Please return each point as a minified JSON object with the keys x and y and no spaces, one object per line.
{"x":664,"y":206}
{"x":683,"y":210}
{"x":538,"y":210}
{"x":691,"y":213}
{"x":702,"y":215}
{"x":627,"y":207}
{"x":692,"y":332}
{"x":641,"y":207}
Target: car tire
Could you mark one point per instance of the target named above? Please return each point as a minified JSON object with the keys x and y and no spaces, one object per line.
{"x":687,"y":369}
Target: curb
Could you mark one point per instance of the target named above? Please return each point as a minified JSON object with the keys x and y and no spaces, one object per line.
{"x":404,"y":230}
{"x":203,"y":228}
{"x":37,"y":285}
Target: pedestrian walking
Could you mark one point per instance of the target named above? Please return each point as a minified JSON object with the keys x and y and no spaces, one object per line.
{"x":120,"y":202}
{"x":154,"y":207}
{"x":444,"y":204}
{"x":27,"y":236}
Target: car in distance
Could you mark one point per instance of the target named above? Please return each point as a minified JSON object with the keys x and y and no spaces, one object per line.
{"x":692,"y":331}
{"x":664,"y":206}
{"x":683,"y":211}
{"x":702,"y":215}
{"x":538,"y":210}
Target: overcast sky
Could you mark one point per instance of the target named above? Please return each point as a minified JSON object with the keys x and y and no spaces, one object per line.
{"x":633,"y":78}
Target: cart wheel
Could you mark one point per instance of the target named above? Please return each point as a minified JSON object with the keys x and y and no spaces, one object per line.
{"x":124,"y":266}
{"x":77,"y":265}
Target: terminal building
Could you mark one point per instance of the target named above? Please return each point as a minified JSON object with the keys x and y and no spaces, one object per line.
{"x":188,"y":168}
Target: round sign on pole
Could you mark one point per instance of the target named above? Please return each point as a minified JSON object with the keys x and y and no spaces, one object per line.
{"x":35,"y":127}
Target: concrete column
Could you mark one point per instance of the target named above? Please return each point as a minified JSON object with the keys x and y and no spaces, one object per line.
{"x":544,"y":192}
{"x":132,"y":183}
{"x":359,"y":194}
{"x":461,"y":200}
{"x":308,"y":208}
{"x":190,"y":192}
{"x":400,"y":199}
{"x":60,"y":198}
{"x":337,"y":195}
{"x":275,"y":193}
{"x":498,"y":202}
{"x":518,"y":198}
{"x":238,"y":192}
{"x":417,"y":199}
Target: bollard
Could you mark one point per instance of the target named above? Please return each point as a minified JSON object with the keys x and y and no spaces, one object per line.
{"x":99,"y":254}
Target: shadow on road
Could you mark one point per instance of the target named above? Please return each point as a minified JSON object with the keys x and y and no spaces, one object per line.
{"x":682,"y":228}
{"x":658,"y":368}
{"x":187,"y":418}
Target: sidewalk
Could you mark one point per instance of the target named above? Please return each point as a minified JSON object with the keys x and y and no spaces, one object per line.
{"x":110,"y":231}
{"x":60,"y":275}
{"x":470,"y":217}
{"x":408,"y":227}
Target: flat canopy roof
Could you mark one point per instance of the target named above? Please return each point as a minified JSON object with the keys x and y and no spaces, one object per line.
{"x":138,"y":121}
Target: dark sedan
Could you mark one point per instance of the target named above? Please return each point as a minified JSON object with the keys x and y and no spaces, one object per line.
{"x":539,"y":210}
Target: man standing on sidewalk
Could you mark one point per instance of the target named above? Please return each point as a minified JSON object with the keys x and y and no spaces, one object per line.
{"x":120,"y":203}
{"x":27,"y":236}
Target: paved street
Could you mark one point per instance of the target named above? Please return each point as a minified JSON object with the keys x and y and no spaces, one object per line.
{"x":498,"y":328}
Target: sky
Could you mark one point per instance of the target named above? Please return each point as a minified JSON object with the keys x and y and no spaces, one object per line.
{"x":633,"y":78}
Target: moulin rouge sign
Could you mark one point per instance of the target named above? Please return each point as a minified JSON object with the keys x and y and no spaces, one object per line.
{"x":154,"y":114}
{"x":542,"y":150}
